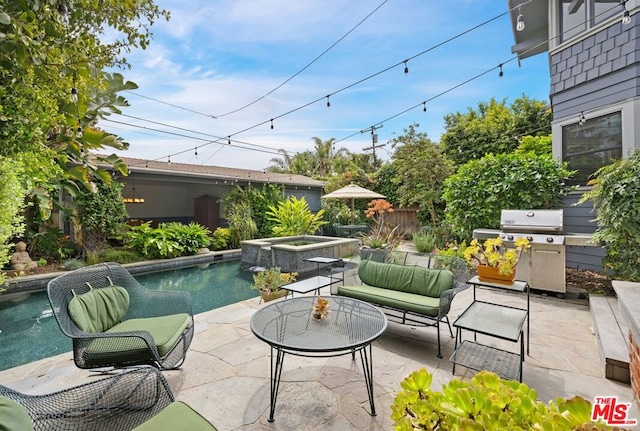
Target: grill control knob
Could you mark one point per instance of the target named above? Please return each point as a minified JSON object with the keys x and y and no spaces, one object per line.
{"x":510,"y":237}
{"x":529,"y":238}
{"x":549,"y":239}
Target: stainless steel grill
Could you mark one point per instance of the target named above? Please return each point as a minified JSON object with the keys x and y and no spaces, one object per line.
{"x":543,"y":266}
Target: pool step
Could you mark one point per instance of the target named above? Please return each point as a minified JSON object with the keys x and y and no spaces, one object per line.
{"x":611,"y":337}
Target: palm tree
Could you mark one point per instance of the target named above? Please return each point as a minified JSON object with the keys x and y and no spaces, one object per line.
{"x":323,"y":155}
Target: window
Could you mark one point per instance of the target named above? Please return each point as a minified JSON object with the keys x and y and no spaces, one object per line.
{"x":589,"y":146}
{"x":577,"y":16}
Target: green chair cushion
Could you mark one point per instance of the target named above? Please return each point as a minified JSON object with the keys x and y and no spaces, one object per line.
{"x":165,"y":330}
{"x":176,"y":416}
{"x":410,"y":279}
{"x":99,"y":309}
{"x":425,"y":305}
{"x":13,"y":416}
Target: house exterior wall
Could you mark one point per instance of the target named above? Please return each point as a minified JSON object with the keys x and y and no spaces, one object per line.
{"x":578,"y":219}
{"x":594,"y":75}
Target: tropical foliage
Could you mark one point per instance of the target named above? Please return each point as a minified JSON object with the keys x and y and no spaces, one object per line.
{"x":168,"y":240}
{"x":616,"y":197}
{"x":293,"y":217}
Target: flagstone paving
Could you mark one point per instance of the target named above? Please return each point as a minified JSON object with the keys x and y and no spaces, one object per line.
{"x":226,"y":374}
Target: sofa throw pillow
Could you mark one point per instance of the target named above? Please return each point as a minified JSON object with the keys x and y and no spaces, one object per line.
{"x":13,"y":416}
{"x":99,"y":309}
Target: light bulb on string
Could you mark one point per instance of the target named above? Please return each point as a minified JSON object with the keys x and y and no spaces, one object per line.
{"x":79,"y":132}
{"x":169,"y":159}
{"x":328,"y":102}
{"x":501,"y":73}
{"x":74,"y":95}
{"x":582,"y":119}
{"x":146,"y":164}
{"x":272,"y":124}
{"x":424,"y":106}
{"x":229,"y":140}
{"x":406,"y":68}
{"x":196,"y":152}
{"x":519,"y":21}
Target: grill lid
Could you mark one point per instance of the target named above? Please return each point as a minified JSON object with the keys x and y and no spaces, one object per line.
{"x":549,"y":221}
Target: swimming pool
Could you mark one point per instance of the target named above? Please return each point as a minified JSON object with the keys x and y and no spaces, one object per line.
{"x":29,"y":331}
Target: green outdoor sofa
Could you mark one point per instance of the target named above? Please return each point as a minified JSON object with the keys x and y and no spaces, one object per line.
{"x":136,"y":399}
{"x":412,"y":295}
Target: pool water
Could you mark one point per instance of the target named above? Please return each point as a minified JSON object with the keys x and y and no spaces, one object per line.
{"x":28,"y":330}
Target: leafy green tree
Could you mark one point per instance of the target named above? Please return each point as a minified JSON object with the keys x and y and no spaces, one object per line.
{"x":387,"y":181}
{"x":423,"y":168}
{"x":538,"y":144}
{"x":258,"y":199}
{"x":616,"y":197}
{"x":480,"y":189}
{"x":494,"y":128}
{"x":99,"y":215}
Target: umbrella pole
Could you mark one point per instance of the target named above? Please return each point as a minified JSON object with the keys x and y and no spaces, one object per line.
{"x":353,"y":212}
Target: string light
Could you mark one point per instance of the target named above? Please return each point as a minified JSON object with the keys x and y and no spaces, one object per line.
{"x":146,"y":164}
{"x":519,"y":21}
{"x":626,"y":17}
{"x":406,"y":68}
{"x":328,"y":102}
{"x":424,"y":106}
{"x":582,"y":119}
{"x":169,"y":159}
{"x":229,"y":140}
{"x":196,"y":152}
{"x":272,"y":124}
{"x":74,"y":95}
{"x":501,"y":73}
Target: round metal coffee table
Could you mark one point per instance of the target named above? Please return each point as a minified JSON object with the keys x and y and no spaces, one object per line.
{"x":288,"y":327}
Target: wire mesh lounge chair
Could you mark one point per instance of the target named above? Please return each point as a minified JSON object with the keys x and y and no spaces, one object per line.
{"x":138,"y":398}
{"x":116,"y":322}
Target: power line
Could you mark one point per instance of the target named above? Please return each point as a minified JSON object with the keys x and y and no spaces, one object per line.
{"x":305,"y":67}
{"x":170,"y":104}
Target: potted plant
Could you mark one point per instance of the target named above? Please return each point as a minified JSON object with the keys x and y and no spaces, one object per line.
{"x":495,"y":261}
{"x":270,"y":281}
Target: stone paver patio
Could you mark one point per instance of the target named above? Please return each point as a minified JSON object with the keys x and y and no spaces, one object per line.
{"x":226,"y":374}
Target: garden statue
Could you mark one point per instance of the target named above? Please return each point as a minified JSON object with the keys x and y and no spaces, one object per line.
{"x":20,"y":260}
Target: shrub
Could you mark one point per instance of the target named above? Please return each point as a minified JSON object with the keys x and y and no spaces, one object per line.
{"x":221,"y":238}
{"x":53,"y":245}
{"x":485,"y":403}
{"x":72,"y":264}
{"x":113,"y":255}
{"x":616,"y":197}
{"x":167,"y":240}
{"x":480,"y":189}
{"x":424,"y":241}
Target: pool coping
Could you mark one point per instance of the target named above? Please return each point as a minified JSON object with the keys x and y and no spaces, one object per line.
{"x":38,"y":282}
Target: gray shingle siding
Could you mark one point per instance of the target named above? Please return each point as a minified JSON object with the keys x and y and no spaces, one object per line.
{"x":578,"y":219}
{"x":594,"y":72}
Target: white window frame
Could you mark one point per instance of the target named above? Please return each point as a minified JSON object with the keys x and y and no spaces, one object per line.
{"x":555,"y":43}
{"x":630,"y":121}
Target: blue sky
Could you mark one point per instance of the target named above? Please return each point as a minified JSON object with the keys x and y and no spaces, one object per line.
{"x":214,"y":57}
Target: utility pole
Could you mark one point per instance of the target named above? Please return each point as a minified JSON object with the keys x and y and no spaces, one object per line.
{"x":374,"y":142}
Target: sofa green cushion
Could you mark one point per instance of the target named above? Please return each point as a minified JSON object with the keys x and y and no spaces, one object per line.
{"x":409,"y":279}
{"x":425,"y":305}
{"x":13,"y":416}
{"x":176,"y":416}
{"x":99,"y":309}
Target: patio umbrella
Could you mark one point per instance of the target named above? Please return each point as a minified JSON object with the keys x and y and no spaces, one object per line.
{"x":353,"y":192}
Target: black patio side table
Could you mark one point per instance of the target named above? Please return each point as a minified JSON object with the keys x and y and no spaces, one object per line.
{"x":288,"y":327}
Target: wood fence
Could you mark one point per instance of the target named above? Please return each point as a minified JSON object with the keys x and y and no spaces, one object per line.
{"x":406,"y":218}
